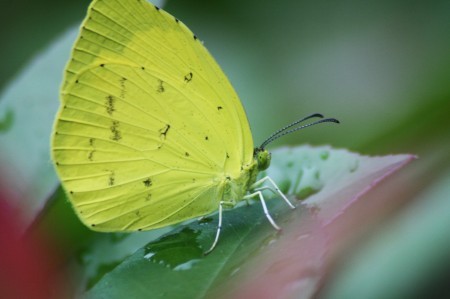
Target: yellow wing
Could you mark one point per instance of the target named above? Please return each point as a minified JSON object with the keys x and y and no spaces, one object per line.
{"x":149,"y":126}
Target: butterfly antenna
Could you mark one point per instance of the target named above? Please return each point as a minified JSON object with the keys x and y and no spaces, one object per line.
{"x":293,"y":124}
{"x":284,"y":131}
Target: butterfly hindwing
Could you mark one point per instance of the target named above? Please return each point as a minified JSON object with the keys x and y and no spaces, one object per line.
{"x":115,"y":156}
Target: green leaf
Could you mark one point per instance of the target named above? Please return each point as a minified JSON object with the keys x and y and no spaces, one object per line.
{"x":173,"y":266}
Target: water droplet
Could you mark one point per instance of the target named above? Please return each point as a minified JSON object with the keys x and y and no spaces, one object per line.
{"x":149,"y":255}
{"x":269,"y":240}
{"x":236,"y":270}
{"x":186,"y":266}
{"x":304,"y":236}
{"x":354,"y":166}
{"x":324,"y":155}
{"x":272,"y":241}
{"x":175,"y":250}
{"x":310,"y":182}
{"x":306,"y":192}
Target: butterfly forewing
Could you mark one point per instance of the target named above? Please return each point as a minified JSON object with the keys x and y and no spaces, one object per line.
{"x":148,"y":125}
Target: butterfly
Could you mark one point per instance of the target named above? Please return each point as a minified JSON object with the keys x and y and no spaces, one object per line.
{"x":149,"y":131}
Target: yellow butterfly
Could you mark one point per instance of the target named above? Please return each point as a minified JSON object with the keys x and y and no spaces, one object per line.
{"x":150,"y":132}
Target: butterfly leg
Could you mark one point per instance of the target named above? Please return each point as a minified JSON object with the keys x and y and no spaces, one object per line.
{"x":219,"y":228}
{"x":266,"y":188}
{"x":267,"y":178}
{"x":263,"y":203}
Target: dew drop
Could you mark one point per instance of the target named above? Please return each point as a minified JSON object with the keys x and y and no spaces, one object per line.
{"x":353,"y":166}
{"x":309,"y":184}
{"x":324,"y":155}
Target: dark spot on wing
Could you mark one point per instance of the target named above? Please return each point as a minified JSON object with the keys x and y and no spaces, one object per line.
{"x":186,"y":154}
{"x":219,"y":107}
{"x":228,"y":156}
{"x":123,"y":89}
{"x":91,"y":155}
{"x":93,"y":225}
{"x":102,"y":65}
{"x":157,"y":8}
{"x":147,"y":182}
{"x":110,"y":104}
{"x":188,"y":77}
{"x":111,"y":178}
{"x":195,"y":37}
{"x":116,"y":135}
{"x":163,"y":132}
{"x":206,"y":138}
{"x":176,"y":20}
{"x":160,"y":86}
{"x":76,"y":81}
{"x":147,"y":198}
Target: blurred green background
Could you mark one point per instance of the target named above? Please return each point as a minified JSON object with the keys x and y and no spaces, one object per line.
{"x":381,"y":67}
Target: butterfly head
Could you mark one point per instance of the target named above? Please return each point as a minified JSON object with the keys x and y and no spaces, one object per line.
{"x":262,"y":157}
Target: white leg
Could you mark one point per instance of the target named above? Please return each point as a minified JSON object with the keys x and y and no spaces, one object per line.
{"x":261,"y":181}
{"x":263,"y":203}
{"x":219,"y":227}
{"x":266,"y":188}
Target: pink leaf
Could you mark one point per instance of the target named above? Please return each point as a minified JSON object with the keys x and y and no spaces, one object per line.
{"x":295,"y":265}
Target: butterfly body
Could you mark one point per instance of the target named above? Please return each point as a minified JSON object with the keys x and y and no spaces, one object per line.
{"x":235,"y":188}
